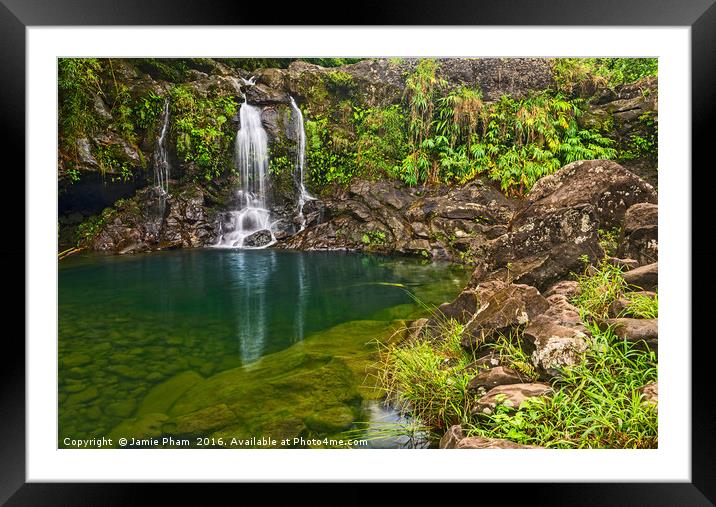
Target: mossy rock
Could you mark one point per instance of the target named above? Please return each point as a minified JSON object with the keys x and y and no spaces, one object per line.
{"x":88,"y":394}
{"x":162,"y":396}
{"x":75,"y":359}
{"x":200,"y":421}
{"x":145,"y":426}
{"x":122,"y":408}
{"x":331,"y":420}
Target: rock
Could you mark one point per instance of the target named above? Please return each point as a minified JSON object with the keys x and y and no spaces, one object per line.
{"x":452,"y":437}
{"x":88,"y":394}
{"x":566,"y":288}
{"x":502,"y":308}
{"x":500,"y":375}
{"x":644,"y":277}
{"x":650,"y":393}
{"x":509,"y":395}
{"x":556,"y":347}
{"x":122,"y":408}
{"x":75,"y":359}
{"x":258,"y":239}
{"x":641,"y":236}
{"x":200,"y":421}
{"x":635,"y":330}
{"x":462,"y":308}
{"x":604,"y":184}
{"x":331,"y":420}
{"x":489,"y":360}
{"x":491,"y":443}
{"x":145,"y":426}
{"x":624,"y":264}
{"x":560,"y":312}
{"x":416,"y":329}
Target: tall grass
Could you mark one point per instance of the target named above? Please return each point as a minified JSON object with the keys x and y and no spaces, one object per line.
{"x":595,"y":405}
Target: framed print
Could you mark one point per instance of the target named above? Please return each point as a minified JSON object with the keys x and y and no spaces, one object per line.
{"x":417,"y":253}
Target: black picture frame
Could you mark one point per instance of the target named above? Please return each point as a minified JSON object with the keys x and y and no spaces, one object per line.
{"x":700,"y":15}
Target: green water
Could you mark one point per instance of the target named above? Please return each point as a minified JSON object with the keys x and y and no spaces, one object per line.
{"x":193,"y":346}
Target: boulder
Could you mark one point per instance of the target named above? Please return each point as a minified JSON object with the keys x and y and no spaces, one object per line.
{"x":497,"y":376}
{"x":556,"y":347}
{"x":639,"y":331}
{"x":623,"y":264}
{"x":331,"y":420}
{"x":452,"y":437}
{"x":491,"y":443}
{"x":502,"y":308}
{"x":200,"y":421}
{"x":258,"y":239}
{"x":509,"y":395}
{"x":641,"y":235}
{"x":489,"y":360}
{"x":644,"y":277}
{"x":607,"y":186}
{"x":566,"y":288}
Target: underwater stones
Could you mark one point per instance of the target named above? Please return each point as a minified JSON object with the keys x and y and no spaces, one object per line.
{"x":75,"y":359}
{"x":146,"y":425}
{"x":644,"y":277}
{"x":161,"y":397}
{"x":84,"y":396}
{"x":126,"y":371}
{"x":122,"y":408}
{"x":510,"y":396}
{"x":203,"y":420}
{"x":331,"y":420}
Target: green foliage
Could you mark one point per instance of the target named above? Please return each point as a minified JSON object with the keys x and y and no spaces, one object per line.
{"x":598,"y":288}
{"x":89,"y":229}
{"x":595,"y":405}
{"x":147,"y":110}
{"x":381,"y":142}
{"x":339,"y":82}
{"x":642,"y":306}
{"x":202,"y":129}
{"x":428,"y":378}
{"x":250,"y":64}
{"x":113,"y":162}
{"x":174,"y":70}
{"x":330,"y":158}
{"x":584,"y":75}
{"x":609,"y":240}
{"x":643,"y":143}
{"x":78,"y":82}
{"x":373,"y":239}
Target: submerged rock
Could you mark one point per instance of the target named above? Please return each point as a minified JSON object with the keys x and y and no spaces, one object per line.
{"x":331,"y":420}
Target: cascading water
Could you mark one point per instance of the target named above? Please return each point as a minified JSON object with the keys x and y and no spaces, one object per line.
{"x":251,"y":159}
{"x":161,"y":155}
{"x":303,"y":195}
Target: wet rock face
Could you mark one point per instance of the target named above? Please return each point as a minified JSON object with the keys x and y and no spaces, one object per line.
{"x":388,"y":217}
{"x":150,"y":221}
{"x":258,"y":239}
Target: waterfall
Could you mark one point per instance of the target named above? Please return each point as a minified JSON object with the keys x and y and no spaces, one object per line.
{"x":251,"y":162}
{"x":303,"y":195}
{"x":161,"y":155}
